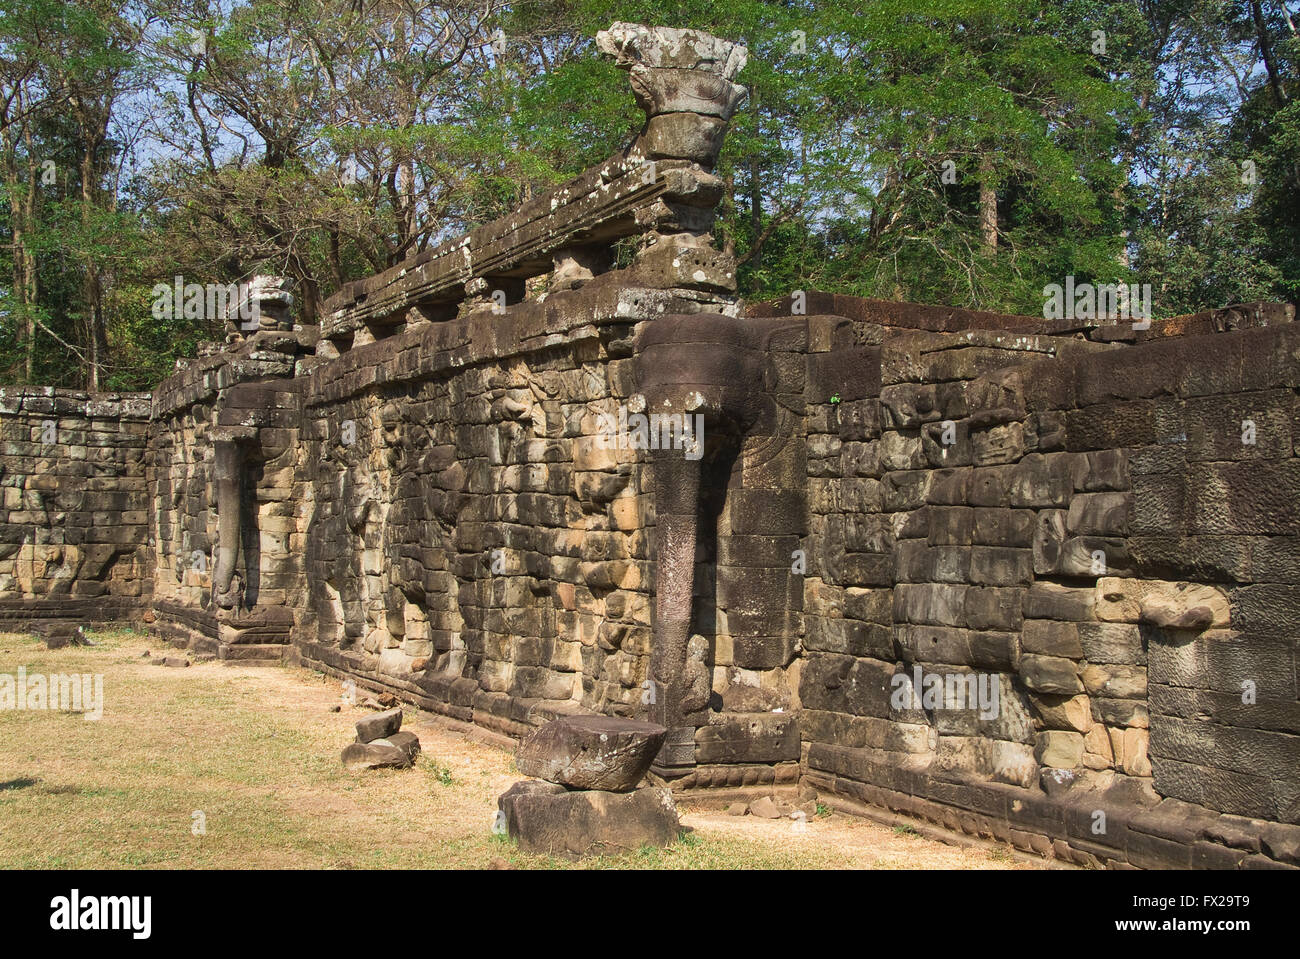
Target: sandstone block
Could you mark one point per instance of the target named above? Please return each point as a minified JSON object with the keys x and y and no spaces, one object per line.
{"x":591,"y":752}
{"x":379,"y":726}
{"x":1050,"y":674}
{"x":380,"y":754}
{"x":545,"y":818}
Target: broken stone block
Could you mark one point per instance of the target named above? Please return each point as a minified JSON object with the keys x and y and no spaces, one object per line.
{"x":737,"y":809}
{"x":1113,"y":643}
{"x":380,"y":726}
{"x":56,"y":635}
{"x":1100,"y":514}
{"x":1000,"y":444}
{"x":591,"y":752}
{"x":1063,"y":712}
{"x":1051,"y":638}
{"x":1130,"y":748}
{"x":375,"y":755}
{"x":765,"y":807}
{"x":1056,"y":782}
{"x":1116,"y":682}
{"x":1050,"y":601}
{"x":1097,"y":753}
{"x":548,"y":819}
{"x":408,"y":742}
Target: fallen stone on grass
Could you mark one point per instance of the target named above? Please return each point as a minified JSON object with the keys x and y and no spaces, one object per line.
{"x":381,"y":744}
{"x":408,"y":742}
{"x":737,"y":809}
{"x":765,"y":807}
{"x":548,"y":819}
{"x":591,"y":752}
{"x":59,"y":635}
{"x":380,"y":726}
{"x":374,"y":755}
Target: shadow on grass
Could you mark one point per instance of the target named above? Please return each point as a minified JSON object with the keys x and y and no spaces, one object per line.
{"x":17,"y":784}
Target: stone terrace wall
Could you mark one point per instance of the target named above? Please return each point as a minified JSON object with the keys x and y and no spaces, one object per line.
{"x":248,"y":394}
{"x":1096,"y":535}
{"x":469,"y":541}
{"x":1102,"y":522}
{"x":75,"y":507}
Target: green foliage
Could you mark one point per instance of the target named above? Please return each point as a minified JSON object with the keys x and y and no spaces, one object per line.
{"x":963,"y":152}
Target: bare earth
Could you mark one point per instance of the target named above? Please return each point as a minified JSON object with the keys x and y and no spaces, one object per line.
{"x":252,"y":756}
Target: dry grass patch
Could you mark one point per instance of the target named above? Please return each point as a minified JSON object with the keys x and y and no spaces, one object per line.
{"x":256,"y":752}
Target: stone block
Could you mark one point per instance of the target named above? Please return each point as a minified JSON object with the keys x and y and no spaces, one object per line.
{"x":591,"y":752}
{"x":547,"y":819}
{"x":1050,"y":674}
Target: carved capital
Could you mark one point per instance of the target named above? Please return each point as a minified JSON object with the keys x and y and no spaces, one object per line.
{"x":683,"y":80}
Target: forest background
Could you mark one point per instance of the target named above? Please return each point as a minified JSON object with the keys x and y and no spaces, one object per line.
{"x":958,"y":152}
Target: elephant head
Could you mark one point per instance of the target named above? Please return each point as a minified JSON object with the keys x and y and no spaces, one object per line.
{"x":710,"y":371}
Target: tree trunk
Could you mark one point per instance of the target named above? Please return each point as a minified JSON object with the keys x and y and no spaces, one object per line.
{"x":92,"y":290}
{"x":1266,"y":52}
{"x":988,"y":205}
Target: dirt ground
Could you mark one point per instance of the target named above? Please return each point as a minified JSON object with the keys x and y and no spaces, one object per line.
{"x":213,"y":766}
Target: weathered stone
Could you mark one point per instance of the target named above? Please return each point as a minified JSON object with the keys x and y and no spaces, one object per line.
{"x":1056,"y":782}
{"x":1050,"y":674}
{"x":591,"y":752}
{"x":765,"y":808}
{"x":1123,"y":600}
{"x":380,"y":726}
{"x":1060,"y":750}
{"x":1052,"y":601}
{"x":578,"y":823}
{"x":1115,"y":682}
{"x":408,"y":742}
{"x":1050,"y":638}
{"x":380,"y":754}
{"x":422,"y":494}
{"x":1063,"y":712}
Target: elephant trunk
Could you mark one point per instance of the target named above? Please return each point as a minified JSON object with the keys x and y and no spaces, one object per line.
{"x":676,"y":493}
{"x":228,"y":467}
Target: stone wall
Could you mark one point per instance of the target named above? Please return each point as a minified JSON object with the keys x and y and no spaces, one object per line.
{"x":1094,"y":521}
{"x":1104,"y":532}
{"x":75,"y":510}
{"x":468,"y":539}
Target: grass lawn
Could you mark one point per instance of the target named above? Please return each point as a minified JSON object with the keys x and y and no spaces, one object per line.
{"x":255,"y":751}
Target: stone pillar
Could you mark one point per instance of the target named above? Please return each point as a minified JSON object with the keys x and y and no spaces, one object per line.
{"x":683,"y":80}
{"x":264,"y":303}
